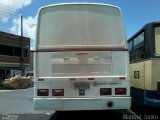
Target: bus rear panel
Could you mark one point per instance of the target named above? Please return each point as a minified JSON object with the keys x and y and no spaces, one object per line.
{"x":81,"y":58}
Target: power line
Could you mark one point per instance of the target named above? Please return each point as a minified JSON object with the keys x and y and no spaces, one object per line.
{"x":18,"y":11}
{"x":11,"y":10}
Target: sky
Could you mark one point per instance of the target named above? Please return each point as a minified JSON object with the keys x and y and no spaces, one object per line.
{"x":136,"y":13}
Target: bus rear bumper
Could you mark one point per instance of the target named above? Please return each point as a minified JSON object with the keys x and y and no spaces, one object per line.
{"x":61,"y":104}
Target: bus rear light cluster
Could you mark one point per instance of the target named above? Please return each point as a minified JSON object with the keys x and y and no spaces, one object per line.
{"x":120,"y":91}
{"x":105,"y":91}
{"x":57,"y":92}
{"x":108,"y":91}
{"x":42,"y":92}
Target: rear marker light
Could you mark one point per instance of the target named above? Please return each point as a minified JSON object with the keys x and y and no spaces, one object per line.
{"x":90,"y":78}
{"x":72,"y":79}
{"x":40,"y":79}
{"x":42,"y":92}
{"x":105,"y":91}
{"x":122,"y":78}
{"x":120,"y":91}
{"x":57,"y":92}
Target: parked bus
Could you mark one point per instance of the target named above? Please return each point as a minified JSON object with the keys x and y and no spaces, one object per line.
{"x":81,"y":58}
{"x":144,"y":48}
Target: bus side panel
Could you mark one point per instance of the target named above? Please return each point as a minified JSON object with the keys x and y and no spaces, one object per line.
{"x":148,"y":75}
{"x":137,"y":82}
{"x":151,"y":79}
{"x":137,"y":75}
{"x":155,"y":73}
{"x":144,"y":92}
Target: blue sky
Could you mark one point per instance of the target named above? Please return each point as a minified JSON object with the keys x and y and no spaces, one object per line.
{"x":136,"y":13}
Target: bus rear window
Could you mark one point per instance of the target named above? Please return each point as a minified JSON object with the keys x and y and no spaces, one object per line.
{"x":80,"y":26}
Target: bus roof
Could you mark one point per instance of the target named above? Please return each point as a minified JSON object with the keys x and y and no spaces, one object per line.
{"x":78,"y":3}
{"x":146,"y":25}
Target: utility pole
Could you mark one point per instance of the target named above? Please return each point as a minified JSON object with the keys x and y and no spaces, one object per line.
{"x":22,"y":44}
{"x":21,"y":26}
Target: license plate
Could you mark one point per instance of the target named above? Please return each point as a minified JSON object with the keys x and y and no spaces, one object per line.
{"x":81,"y":85}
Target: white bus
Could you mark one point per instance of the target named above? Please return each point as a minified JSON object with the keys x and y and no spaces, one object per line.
{"x":81,"y":58}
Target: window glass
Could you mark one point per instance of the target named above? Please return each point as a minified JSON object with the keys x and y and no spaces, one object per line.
{"x":157,"y":40}
{"x":80,"y":26}
{"x":139,"y":54}
{"x":130,"y":46}
{"x":130,"y":49}
{"x":138,"y":48}
{"x":139,"y":41}
{"x":25,"y":50}
{"x":6,"y":50}
{"x":18,"y":51}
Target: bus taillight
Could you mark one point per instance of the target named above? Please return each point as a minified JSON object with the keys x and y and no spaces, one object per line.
{"x":42,"y":92}
{"x":72,"y":79}
{"x":120,"y":91}
{"x":91,"y":78}
{"x":122,"y":78}
{"x":57,"y":92}
{"x":105,"y":91}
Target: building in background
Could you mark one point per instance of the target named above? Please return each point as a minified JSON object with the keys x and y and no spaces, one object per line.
{"x":14,"y":55}
{"x":31,"y":60}
{"x":30,"y":68}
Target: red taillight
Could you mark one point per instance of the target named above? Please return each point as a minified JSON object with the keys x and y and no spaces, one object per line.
{"x":42,"y":92}
{"x":40,"y":79}
{"x":91,"y":78}
{"x":105,"y":91}
{"x":120,"y":91}
{"x":57,"y":92}
{"x":122,"y":78}
{"x":72,"y":79}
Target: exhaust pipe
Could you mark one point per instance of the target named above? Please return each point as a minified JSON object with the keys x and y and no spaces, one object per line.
{"x":109,"y":104}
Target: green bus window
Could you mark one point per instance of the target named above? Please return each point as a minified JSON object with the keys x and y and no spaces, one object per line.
{"x":138,"y":47}
{"x":139,"y":41}
{"x":130,"y":49}
{"x":157,"y":40}
{"x":130,"y":46}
